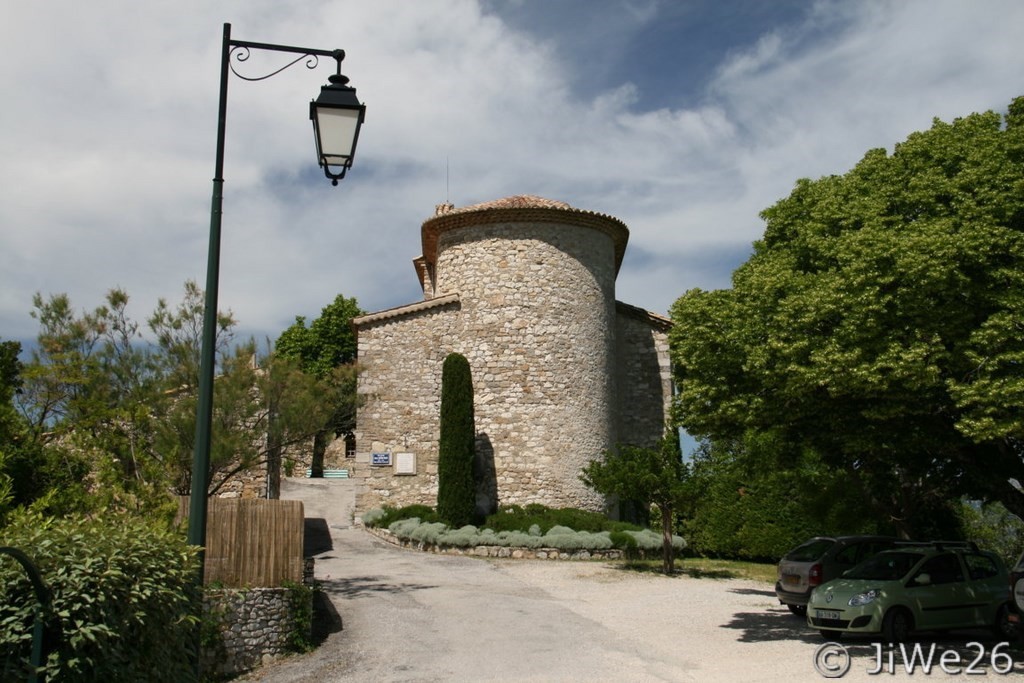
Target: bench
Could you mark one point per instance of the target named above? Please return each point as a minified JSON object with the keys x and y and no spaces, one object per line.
{"x":329,"y":474}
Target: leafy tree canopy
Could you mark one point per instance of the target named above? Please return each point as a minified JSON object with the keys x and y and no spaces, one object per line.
{"x":326,"y":350}
{"x":879,"y":322}
{"x":329,"y":341}
{"x":101,"y":406}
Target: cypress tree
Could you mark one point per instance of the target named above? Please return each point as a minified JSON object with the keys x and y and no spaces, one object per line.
{"x":456,"y":494}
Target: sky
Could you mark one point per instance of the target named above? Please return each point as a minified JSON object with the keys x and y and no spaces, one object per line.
{"x":685,"y":119}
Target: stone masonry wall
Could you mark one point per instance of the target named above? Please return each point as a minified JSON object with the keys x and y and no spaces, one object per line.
{"x":644,"y":371}
{"x":400,"y":384}
{"x":537,"y":326}
{"x":536,"y":320}
{"x":257,"y":624}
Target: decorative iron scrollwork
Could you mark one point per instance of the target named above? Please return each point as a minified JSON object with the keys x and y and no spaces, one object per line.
{"x":241,"y":53}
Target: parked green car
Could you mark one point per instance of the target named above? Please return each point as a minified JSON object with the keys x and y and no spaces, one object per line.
{"x":916,"y":587}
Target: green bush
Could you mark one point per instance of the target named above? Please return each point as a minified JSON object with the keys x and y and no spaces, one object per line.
{"x":123,"y":595}
{"x":300,"y":598}
{"x":516,"y":518}
{"x":463,"y":537}
{"x":558,"y":537}
{"x":650,"y":541}
{"x":456,"y":488}
{"x":565,"y":538}
{"x":386,"y":516}
{"x":373,"y":517}
{"x":623,"y":540}
{"x":749,"y":511}
{"x":533,"y":526}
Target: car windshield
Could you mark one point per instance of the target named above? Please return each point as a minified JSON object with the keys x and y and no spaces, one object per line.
{"x":810,"y":551}
{"x":888,"y":566}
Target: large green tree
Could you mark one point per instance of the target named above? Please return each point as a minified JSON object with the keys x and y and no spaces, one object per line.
{"x":879,"y":322}
{"x":327,"y":342}
{"x":754,"y":500}
{"x":326,"y":350}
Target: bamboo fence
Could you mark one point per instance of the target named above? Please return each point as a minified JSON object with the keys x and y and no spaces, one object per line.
{"x":251,"y":543}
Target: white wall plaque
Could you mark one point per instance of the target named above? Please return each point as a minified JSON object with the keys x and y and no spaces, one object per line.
{"x":405,"y":463}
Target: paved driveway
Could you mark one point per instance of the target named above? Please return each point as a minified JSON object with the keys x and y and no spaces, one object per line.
{"x":408,"y":616}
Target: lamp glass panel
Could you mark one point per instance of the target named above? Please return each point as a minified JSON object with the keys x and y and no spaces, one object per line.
{"x":337,"y":132}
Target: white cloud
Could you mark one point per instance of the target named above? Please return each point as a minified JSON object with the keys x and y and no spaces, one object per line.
{"x":108,"y":129}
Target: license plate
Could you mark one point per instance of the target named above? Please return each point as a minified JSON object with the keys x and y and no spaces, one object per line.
{"x":826,"y":613}
{"x":791,"y":579}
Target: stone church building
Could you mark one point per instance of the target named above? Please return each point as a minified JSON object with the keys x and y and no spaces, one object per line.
{"x":524,"y":288}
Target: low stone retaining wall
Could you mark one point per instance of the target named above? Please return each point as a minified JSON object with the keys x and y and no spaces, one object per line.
{"x":499,"y":550}
{"x":247,"y":628}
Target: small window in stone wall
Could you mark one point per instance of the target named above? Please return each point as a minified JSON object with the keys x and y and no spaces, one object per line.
{"x":350,"y":445}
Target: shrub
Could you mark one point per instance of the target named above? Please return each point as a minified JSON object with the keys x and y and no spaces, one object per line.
{"x":565,"y":538}
{"x":373,"y":517}
{"x":623,"y":540}
{"x":517,"y":539}
{"x":648,"y":540}
{"x":456,"y":491}
{"x":464,"y":537}
{"x":404,"y":528}
{"x":516,"y":518}
{"x":384,"y":517}
{"x":559,"y":537}
{"x":300,"y":599}
{"x":579,"y":520}
{"x":515,"y":534}
{"x":123,"y":595}
{"x":428,"y":532}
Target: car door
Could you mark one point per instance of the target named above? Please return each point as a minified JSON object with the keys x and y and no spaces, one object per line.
{"x":985,"y":589}
{"x":937,"y":593}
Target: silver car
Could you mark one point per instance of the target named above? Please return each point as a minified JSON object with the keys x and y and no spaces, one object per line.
{"x":822,"y":559}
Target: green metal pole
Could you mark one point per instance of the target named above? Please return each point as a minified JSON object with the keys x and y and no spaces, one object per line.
{"x":204,"y":407}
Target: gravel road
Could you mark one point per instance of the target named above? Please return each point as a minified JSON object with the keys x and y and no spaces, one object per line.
{"x":404,"y":616}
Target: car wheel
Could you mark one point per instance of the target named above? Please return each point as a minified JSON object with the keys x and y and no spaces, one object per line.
{"x":1004,"y":629}
{"x":799,"y":610}
{"x":831,"y":635}
{"x":897,"y":625}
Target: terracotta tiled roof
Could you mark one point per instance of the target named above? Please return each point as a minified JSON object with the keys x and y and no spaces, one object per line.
{"x":519,"y":201}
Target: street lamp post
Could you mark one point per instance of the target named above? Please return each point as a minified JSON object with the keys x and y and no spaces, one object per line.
{"x":337,"y":116}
